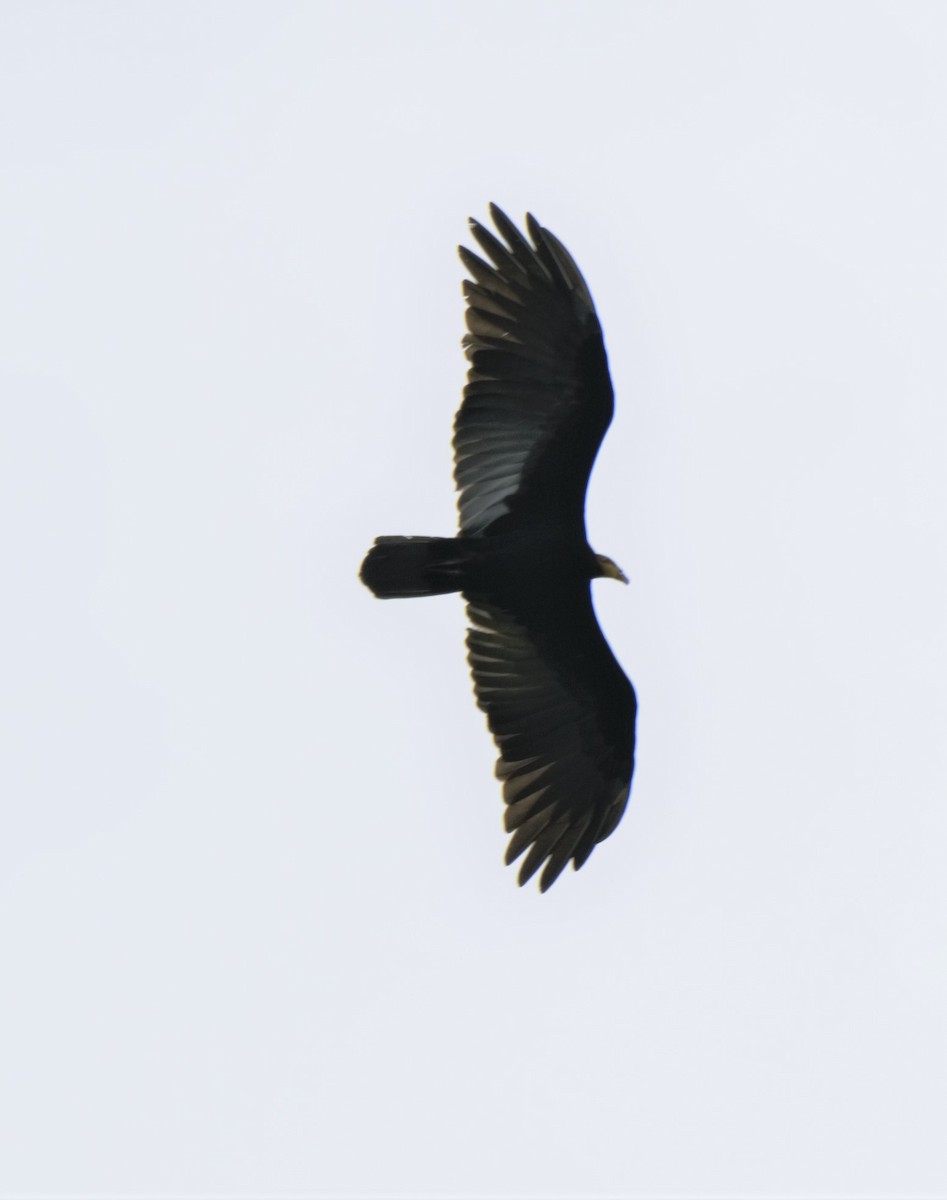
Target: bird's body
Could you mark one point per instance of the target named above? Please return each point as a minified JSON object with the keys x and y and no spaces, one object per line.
{"x":494,"y":566}
{"x":537,"y":403}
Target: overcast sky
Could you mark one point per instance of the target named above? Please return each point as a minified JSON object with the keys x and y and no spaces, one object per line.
{"x":256,"y":937}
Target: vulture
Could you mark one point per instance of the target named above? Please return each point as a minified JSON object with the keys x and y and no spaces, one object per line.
{"x":536,"y":405}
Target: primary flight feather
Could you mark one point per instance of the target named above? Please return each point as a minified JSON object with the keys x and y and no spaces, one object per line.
{"x":536,"y":406}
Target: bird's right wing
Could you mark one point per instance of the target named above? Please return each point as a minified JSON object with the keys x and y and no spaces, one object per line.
{"x":538,"y":398}
{"x":562,"y":713}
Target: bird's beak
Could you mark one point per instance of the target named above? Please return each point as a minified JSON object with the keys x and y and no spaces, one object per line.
{"x":611,"y":570}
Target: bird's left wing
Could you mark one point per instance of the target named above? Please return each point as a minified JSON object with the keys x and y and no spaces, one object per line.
{"x":562,"y":713}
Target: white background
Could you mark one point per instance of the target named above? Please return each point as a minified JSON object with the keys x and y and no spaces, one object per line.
{"x":256,"y":937}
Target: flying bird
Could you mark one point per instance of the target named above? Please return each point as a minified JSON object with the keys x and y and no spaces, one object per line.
{"x":536,"y":406}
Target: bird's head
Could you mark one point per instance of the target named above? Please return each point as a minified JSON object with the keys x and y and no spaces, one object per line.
{"x":608,"y":569}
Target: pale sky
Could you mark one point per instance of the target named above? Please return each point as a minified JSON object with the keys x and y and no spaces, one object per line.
{"x":255,"y":931}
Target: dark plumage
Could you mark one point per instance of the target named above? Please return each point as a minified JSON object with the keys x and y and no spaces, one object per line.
{"x":536,"y":406}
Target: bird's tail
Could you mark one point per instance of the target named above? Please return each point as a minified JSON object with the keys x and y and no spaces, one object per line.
{"x":413,"y":566}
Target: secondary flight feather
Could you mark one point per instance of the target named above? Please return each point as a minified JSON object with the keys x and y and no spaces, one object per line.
{"x":536,"y":406}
